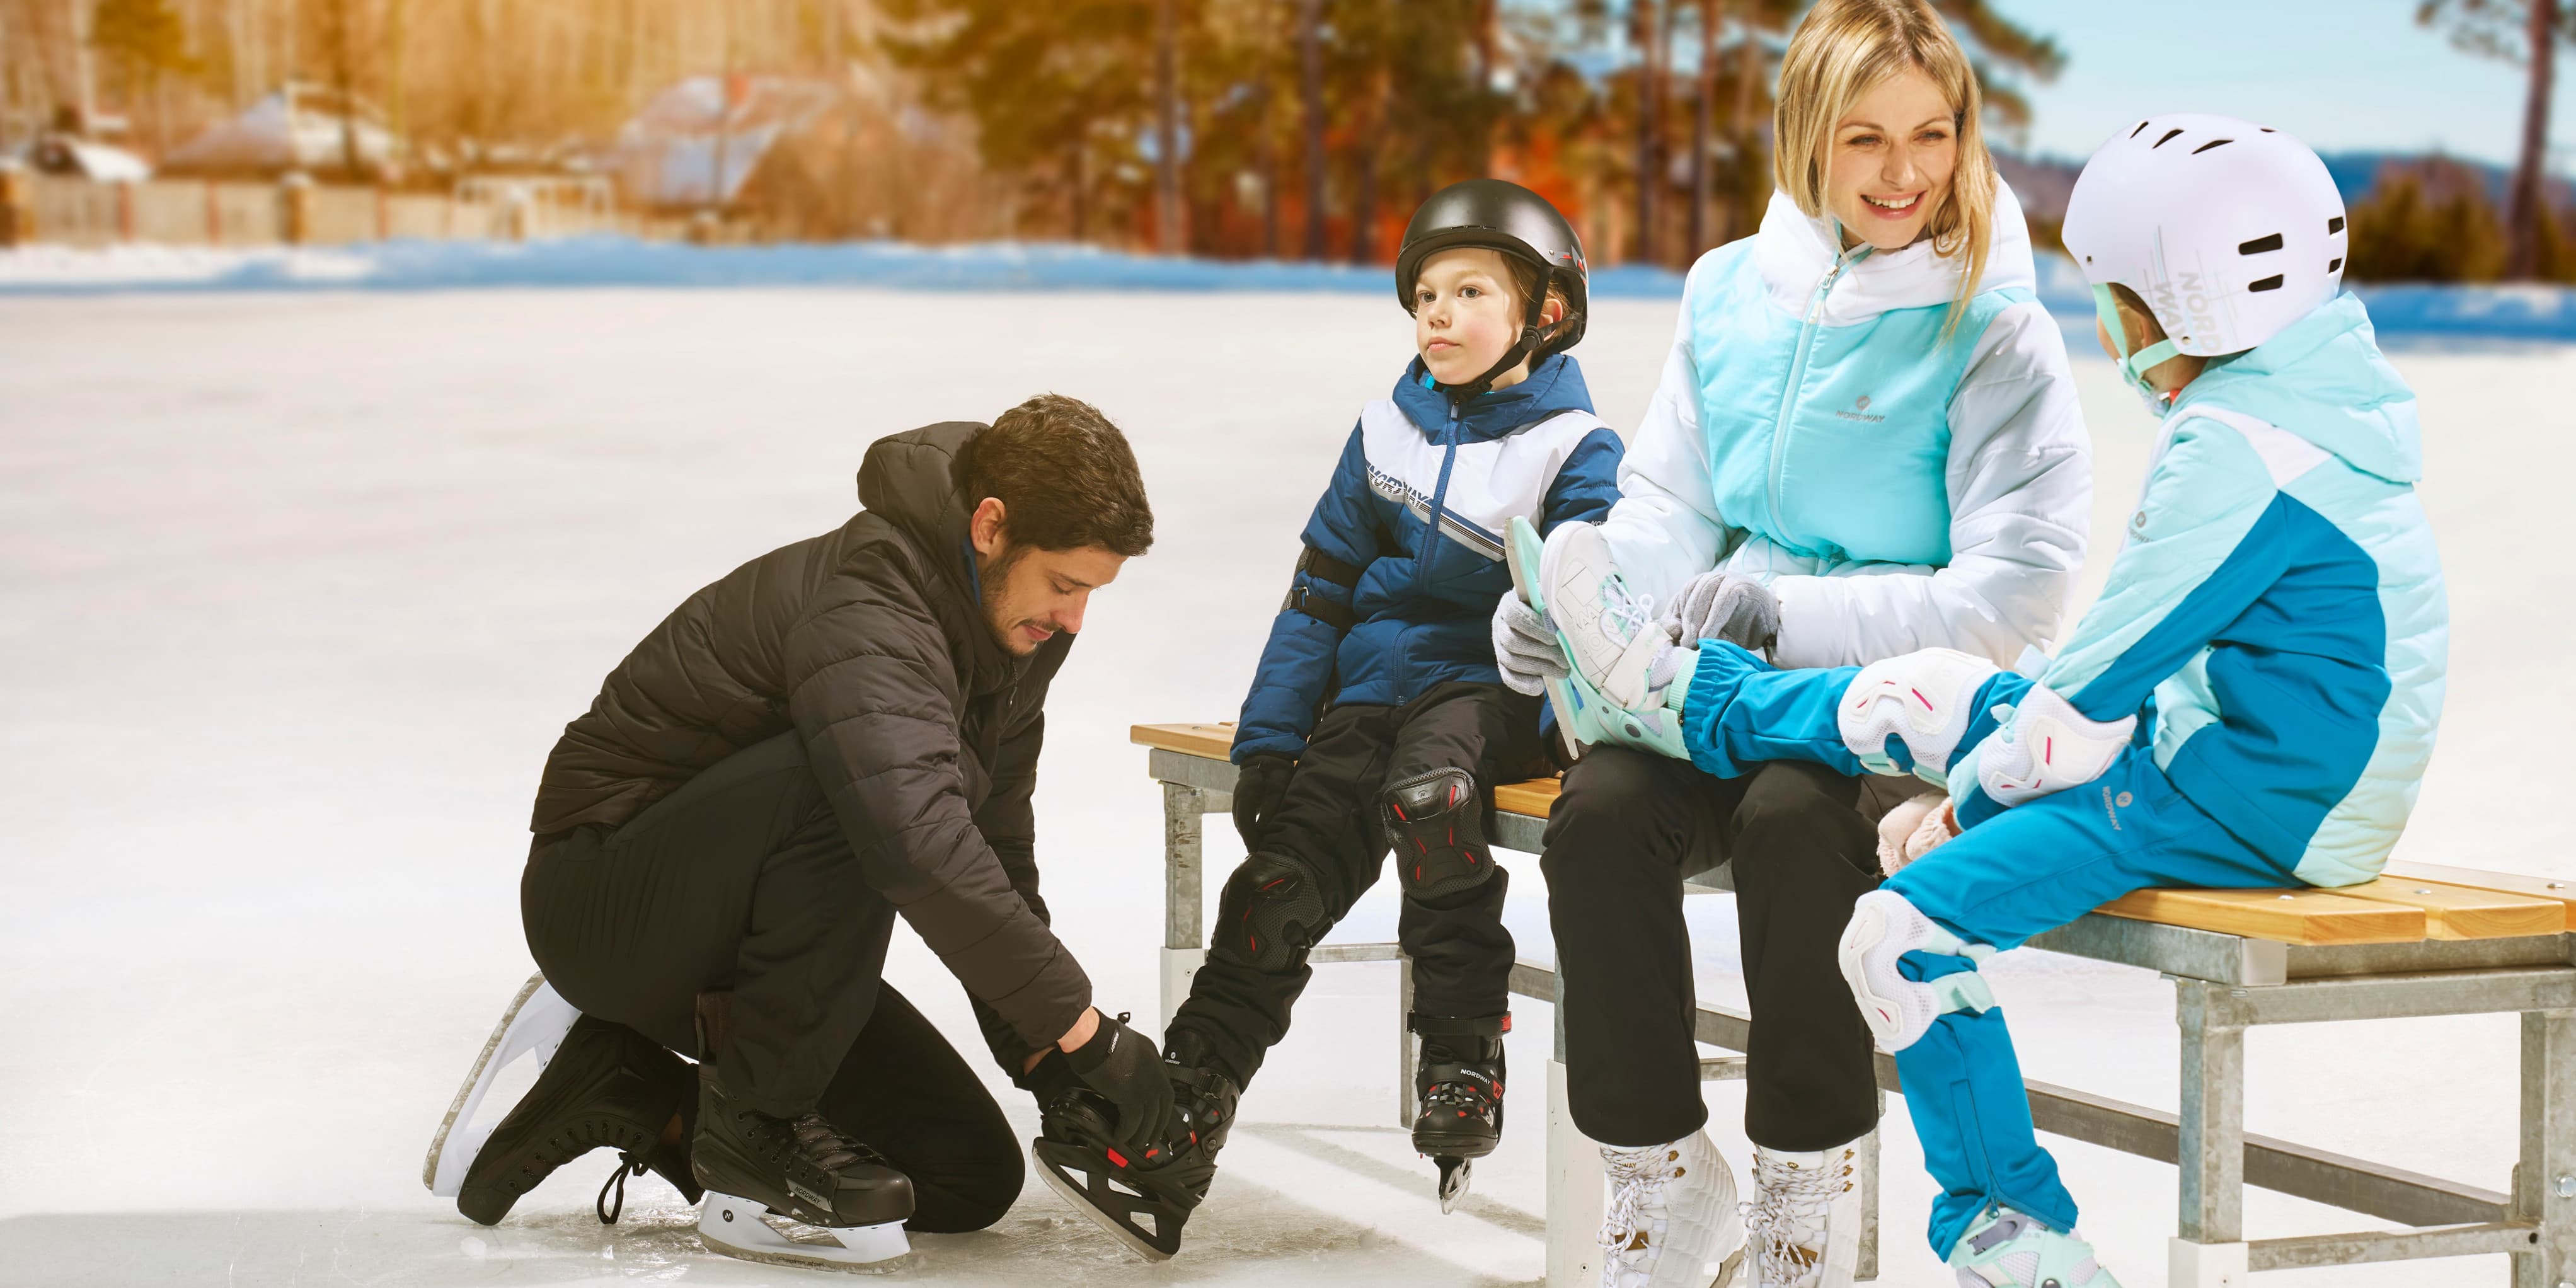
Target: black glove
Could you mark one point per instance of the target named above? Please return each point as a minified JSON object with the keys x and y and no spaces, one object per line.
{"x":1127,"y":1070}
{"x":1258,"y":788}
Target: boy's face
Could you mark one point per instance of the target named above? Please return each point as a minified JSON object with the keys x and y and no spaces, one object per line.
{"x":1893,"y":155}
{"x":1465,"y":316}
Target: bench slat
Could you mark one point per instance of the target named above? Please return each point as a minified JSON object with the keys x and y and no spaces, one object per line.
{"x":2551,"y":888}
{"x":2457,"y":912}
{"x":1216,"y":742}
{"x":2305,"y":917}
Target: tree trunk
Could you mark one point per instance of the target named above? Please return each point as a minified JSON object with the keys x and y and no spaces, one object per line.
{"x":2528,"y":205}
{"x":1365,"y":160}
{"x":1167,"y":133}
{"x":1486,"y":16}
{"x":1310,"y":90}
{"x":1647,"y":31}
{"x":1749,"y":186}
{"x":1076,"y":183}
{"x":1703,"y":126}
{"x":1266,"y":159}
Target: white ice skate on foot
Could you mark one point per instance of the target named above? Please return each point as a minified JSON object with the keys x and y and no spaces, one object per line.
{"x":1583,"y":714}
{"x":1883,"y":928}
{"x":536,"y":1021}
{"x":1803,"y":1226}
{"x":1671,"y":1217}
{"x":1608,"y":630}
{"x":2005,"y":1249}
{"x":738,"y":1227}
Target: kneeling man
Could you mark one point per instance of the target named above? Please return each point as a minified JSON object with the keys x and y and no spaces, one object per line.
{"x":839,"y":731}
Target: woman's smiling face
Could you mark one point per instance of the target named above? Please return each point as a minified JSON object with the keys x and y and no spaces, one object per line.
{"x":1893,"y":155}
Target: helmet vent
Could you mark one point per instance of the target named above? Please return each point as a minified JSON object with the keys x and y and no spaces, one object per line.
{"x":2259,"y":245}
{"x":2272,"y":283}
{"x":2334,"y":225}
{"x":2336,"y":266}
{"x":2168,"y":138}
{"x":2213,"y":143}
{"x":2267,"y":129}
{"x":2142,"y":127}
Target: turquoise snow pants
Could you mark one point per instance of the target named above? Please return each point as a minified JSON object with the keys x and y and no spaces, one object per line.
{"x":2017,"y":873}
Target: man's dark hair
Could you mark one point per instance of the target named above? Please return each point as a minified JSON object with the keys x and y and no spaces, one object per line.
{"x":1065,"y":476}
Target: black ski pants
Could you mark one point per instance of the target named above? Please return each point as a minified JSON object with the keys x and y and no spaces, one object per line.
{"x":1328,"y":827}
{"x":742,"y":880}
{"x":1626,"y":830}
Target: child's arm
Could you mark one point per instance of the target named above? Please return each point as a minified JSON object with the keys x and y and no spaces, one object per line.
{"x":2209,"y":536}
{"x":1288,"y":688}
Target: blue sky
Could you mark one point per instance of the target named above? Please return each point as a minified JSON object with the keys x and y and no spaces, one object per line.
{"x":2343,"y":75}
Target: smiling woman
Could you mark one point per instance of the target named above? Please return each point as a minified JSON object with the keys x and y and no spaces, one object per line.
{"x":1878,"y":128}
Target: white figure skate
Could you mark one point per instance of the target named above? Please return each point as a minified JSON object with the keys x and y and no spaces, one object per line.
{"x":1671,"y":1219}
{"x":535,"y":1023}
{"x":1804,"y":1222}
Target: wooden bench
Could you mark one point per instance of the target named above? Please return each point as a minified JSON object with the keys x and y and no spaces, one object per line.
{"x":2420,"y":941}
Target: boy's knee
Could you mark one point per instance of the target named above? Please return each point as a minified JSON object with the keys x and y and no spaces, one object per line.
{"x":1436,"y":823}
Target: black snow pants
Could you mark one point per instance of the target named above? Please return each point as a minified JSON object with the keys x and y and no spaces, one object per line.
{"x":742,"y":880}
{"x":1628,"y":827}
{"x":1327,"y":829}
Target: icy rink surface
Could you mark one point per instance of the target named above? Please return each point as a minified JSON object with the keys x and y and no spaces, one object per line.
{"x":296,"y":592}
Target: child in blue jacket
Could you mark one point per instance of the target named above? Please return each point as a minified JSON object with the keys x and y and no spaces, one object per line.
{"x":2251,"y":703}
{"x":1377,"y":717}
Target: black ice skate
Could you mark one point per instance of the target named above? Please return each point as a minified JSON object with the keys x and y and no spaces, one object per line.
{"x":1143,"y":1202}
{"x":802,"y":1169}
{"x":606,"y":1087}
{"x":1458,"y":1082}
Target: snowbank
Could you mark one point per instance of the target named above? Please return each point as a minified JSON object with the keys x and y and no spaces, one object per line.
{"x":2474,"y":313}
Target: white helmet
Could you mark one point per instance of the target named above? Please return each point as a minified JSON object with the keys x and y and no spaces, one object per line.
{"x":2230,"y":231}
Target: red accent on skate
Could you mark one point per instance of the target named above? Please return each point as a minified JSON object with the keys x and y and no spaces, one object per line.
{"x":1152,"y":1152}
{"x":1114,"y":1156}
{"x":1507,"y":1024}
{"x":1194,"y":1138}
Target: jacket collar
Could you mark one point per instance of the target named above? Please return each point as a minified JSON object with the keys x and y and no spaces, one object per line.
{"x":1794,"y":253}
{"x":909,"y":480}
{"x":1555,"y":385}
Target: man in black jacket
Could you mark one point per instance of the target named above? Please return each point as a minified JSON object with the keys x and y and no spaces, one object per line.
{"x":839,"y":731}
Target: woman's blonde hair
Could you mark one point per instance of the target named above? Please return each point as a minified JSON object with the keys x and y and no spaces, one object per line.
{"x":1842,"y":51}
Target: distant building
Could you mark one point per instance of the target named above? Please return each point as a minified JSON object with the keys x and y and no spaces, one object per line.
{"x":699,"y":143}
{"x":298,"y":128}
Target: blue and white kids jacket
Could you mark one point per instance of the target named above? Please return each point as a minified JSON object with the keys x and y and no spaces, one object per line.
{"x":2279,"y":596}
{"x":1404,"y":555}
{"x":1816,"y":431}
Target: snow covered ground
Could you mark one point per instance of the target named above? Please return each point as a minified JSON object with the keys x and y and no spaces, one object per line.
{"x":297,"y":589}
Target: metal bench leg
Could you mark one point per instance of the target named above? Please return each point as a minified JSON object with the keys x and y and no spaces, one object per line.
{"x":1574,"y":1187}
{"x":2544,"y":1182}
{"x":1407,"y":1055}
{"x":1868,"y":1268}
{"x":1184,"y":944}
{"x":2210,"y":1251}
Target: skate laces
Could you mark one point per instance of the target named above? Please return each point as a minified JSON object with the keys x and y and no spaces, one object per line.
{"x":628,"y":1164}
{"x":1625,"y":609}
{"x":1789,"y":1212}
{"x":1637,"y":1180}
{"x":827,"y":1146}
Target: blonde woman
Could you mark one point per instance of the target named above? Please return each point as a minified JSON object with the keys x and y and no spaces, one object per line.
{"x":1865,"y":443}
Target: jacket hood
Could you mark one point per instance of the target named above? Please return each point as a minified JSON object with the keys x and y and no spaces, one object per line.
{"x":1795,"y":253}
{"x":1555,"y":385}
{"x":2325,"y":380}
{"x":909,"y":479}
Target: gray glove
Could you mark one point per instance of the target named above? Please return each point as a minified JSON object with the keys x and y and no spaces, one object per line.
{"x":1525,"y":647}
{"x":1721,"y":606}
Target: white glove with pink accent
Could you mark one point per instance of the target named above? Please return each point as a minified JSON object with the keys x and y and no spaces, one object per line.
{"x":2046,"y":746}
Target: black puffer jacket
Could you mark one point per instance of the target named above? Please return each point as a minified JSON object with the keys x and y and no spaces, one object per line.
{"x":923,"y":730}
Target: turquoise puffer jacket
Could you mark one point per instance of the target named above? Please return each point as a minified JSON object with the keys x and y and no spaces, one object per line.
{"x":2279,"y":595}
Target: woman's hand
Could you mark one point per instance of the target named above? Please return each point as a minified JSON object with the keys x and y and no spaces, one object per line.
{"x":1722,"y":606}
{"x":1525,"y":648}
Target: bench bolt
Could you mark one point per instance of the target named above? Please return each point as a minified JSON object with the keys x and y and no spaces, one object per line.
{"x":2567,"y":1187}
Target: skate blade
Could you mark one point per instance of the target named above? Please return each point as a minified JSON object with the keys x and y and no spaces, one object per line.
{"x":536,"y":1020}
{"x":741,"y":1228}
{"x":1056,"y":1163}
{"x":1728,"y":1270}
{"x":1521,"y":551}
{"x":1455,"y":1176}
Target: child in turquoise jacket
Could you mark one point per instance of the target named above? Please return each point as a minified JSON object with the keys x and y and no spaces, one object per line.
{"x":2251,"y":703}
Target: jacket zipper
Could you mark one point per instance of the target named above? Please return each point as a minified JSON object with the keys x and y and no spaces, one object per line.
{"x":1798,"y":372}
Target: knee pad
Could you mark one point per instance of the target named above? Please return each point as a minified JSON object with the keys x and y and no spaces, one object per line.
{"x":1900,"y":1010}
{"x":1436,"y":822}
{"x":2048,"y":746}
{"x":1926,"y":698}
{"x":1270,"y":914}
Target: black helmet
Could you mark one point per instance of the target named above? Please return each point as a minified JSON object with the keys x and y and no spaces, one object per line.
{"x":1501,"y":216}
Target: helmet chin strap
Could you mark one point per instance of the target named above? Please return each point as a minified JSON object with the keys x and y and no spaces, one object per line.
{"x":1531,"y":327}
{"x":2133,"y":366}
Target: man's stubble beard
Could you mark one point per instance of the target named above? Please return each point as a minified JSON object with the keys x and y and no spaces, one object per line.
{"x":992,"y":576}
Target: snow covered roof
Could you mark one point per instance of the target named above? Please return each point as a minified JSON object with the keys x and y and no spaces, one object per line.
{"x":287,"y":130}
{"x":63,"y":154}
{"x":697,"y":142}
